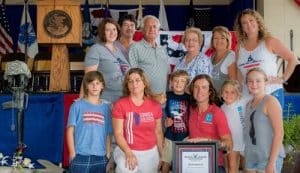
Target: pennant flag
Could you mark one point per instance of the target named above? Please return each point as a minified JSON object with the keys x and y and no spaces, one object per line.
{"x":163,"y":17}
{"x":87,"y":36}
{"x":140,"y":15}
{"x":27,"y":38}
{"x":6,"y":43}
{"x":97,"y":15}
{"x":191,"y":15}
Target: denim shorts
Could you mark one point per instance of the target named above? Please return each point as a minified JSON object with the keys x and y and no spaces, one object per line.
{"x":88,"y":164}
{"x":260,"y":166}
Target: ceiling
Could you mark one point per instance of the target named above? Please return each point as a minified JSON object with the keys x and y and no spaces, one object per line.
{"x":133,"y":2}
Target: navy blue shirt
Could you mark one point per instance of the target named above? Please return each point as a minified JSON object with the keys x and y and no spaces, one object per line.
{"x":177,"y":108}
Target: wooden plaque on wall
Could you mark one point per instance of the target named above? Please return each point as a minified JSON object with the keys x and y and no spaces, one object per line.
{"x":59,"y":22}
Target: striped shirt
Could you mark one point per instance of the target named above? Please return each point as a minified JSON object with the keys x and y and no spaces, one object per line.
{"x":154,"y":62}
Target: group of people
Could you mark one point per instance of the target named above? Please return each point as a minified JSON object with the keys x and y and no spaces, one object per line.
{"x":233,"y":97}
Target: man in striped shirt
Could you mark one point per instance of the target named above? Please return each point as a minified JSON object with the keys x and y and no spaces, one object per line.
{"x":151,"y":57}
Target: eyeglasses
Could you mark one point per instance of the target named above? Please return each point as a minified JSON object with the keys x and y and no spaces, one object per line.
{"x":191,"y":40}
{"x":252,"y":129}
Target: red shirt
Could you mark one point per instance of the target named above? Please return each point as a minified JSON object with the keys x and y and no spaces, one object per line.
{"x":139,"y":122}
{"x":210,"y":124}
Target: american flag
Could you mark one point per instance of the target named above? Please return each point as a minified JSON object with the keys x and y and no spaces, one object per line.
{"x":6,"y":42}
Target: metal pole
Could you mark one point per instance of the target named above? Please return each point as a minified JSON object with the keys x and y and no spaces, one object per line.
{"x":26,"y":30}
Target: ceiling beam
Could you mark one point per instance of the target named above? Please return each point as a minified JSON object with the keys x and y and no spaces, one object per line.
{"x":136,"y":2}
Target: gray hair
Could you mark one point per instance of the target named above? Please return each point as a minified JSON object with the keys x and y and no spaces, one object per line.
{"x":150,"y":17}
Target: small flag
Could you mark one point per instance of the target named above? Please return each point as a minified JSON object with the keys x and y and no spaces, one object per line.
{"x":163,"y":17}
{"x":140,"y":15}
{"x":191,"y":15}
{"x":87,"y":36}
{"x":6,"y":42}
{"x":27,"y":41}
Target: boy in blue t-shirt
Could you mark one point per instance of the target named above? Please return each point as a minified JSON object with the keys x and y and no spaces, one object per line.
{"x":177,"y":113}
{"x":89,"y":128}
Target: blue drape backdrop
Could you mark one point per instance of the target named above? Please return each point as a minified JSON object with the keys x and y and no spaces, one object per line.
{"x":43,"y":127}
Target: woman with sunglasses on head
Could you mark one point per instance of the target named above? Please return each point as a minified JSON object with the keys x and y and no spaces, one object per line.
{"x":263,"y":132}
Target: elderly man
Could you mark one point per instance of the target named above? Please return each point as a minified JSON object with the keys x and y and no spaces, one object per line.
{"x":151,"y":57}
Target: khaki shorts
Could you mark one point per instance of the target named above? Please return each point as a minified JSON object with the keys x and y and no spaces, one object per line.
{"x":167,"y":151}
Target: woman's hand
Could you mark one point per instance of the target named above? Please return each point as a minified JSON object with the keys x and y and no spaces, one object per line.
{"x":270,"y":168}
{"x":276,"y":80}
{"x":131,"y":160}
{"x":168,"y":122}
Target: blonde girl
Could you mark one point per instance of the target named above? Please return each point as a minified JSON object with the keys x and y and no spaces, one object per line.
{"x":233,"y":109}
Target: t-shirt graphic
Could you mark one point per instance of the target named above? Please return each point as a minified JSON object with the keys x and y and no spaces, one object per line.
{"x":251,"y":63}
{"x":93,"y":117}
{"x":124,"y":66}
{"x":178,"y":110}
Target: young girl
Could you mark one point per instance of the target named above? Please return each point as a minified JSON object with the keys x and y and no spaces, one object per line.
{"x":263,"y":127}
{"x":89,"y":128}
{"x":233,"y":108}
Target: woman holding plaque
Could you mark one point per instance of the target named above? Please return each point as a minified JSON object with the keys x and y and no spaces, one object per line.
{"x":207,"y":121}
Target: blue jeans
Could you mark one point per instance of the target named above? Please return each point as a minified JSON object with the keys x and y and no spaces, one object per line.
{"x":88,"y":164}
{"x":221,"y":169}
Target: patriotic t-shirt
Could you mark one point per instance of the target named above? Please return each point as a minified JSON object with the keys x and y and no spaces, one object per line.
{"x":262,"y":58}
{"x":92,"y":125}
{"x":139,"y":122}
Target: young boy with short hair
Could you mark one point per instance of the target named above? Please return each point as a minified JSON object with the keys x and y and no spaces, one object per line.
{"x":177,"y":113}
{"x":89,"y":128}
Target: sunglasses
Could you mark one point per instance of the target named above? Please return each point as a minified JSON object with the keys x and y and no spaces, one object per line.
{"x":252,"y":129}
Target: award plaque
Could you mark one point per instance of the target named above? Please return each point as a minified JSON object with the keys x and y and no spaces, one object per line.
{"x":195,"y":157}
{"x":57,"y":23}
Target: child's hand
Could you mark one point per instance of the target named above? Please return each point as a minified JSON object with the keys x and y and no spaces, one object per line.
{"x":168,"y":122}
{"x":161,"y":98}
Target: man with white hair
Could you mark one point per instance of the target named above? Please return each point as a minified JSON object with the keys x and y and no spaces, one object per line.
{"x":151,"y":57}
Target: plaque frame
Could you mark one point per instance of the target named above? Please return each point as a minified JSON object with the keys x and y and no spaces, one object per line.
{"x":205,"y":147}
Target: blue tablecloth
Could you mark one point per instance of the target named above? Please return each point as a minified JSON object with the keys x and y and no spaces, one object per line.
{"x":43,"y":127}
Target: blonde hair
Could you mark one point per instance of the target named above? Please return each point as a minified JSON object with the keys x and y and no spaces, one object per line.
{"x":259,"y":70}
{"x":262,"y":29}
{"x":224,"y":32}
{"x":193,"y":30}
{"x":179,"y":73}
{"x":235,"y":84}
